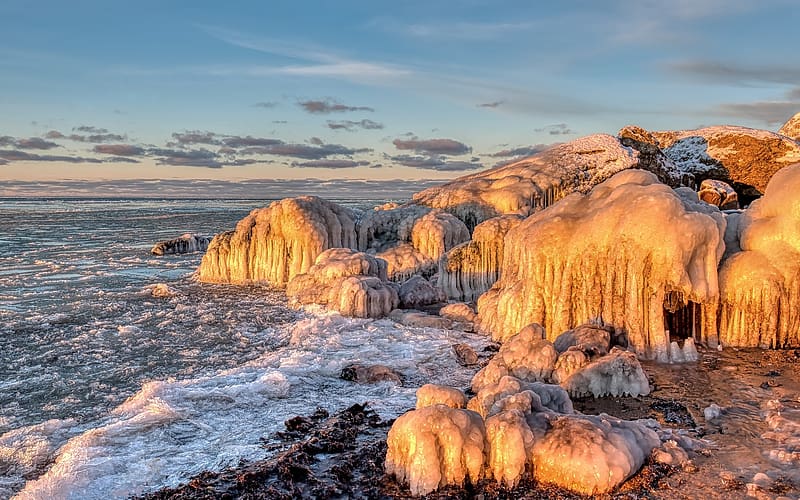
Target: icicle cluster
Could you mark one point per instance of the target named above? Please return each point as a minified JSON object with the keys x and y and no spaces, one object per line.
{"x":276,"y":243}
{"x":612,"y":255}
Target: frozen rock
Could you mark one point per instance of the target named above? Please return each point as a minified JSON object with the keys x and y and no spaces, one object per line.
{"x":276,"y":243}
{"x":370,"y":374}
{"x":405,"y":261}
{"x":510,"y":441}
{"x":670,"y":453}
{"x":760,"y":285}
{"x":417,"y":292}
{"x":718,"y":193}
{"x":458,"y":311}
{"x":419,"y":319}
{"x":568,"y":362}
{"x":465,"y":355}
{"x":591,"y":455}
{"x":618,"y":373}
{"x":432,"y":394}
{"x":791,"y":128}
{"x":161,"y":290}
{"x":526,"y":356}
{"x":513,"y":393}
{"x":531,"y":184}
{"x":186,"y":243}
{"x":595,"y":256}
{"x":652,"y":158}
{"x":362,"y":297}
{"x":471,"y":268}
{"x":712,"y":412}
{"x":436,"y":446}
{"x":591,"y":339}
{"x":436,"y":232}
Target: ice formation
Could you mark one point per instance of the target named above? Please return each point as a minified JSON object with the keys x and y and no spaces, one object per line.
{"x":791,"y":128}
{"x":417,"y":292}
{"x":591,"y":339}
{"x":458,"y":311}
{"x":510,"y":441}
{"x":531,"y":184}
{"x":185,"y":243}
{"x":526,"y":356}
{"x":432,"y":394}
{"x":493,"y":398}
{"x":276,"y":243}
{"x":621,"y":253}
{"x":760,"y":286}
{"x":591,"y":454}
{"x":350,"y":282}
{"x":568,"y":362}
{"x":471,"y":268}
{"x":652,"y":158}
{"x":436,"y":446}
{"x":618,"y":373}
{"x":718,"y":193}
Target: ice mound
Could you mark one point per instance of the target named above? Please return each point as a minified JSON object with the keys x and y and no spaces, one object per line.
{"x":568,"y":362}
{"x":160,"y":290}
{"x":417,"y":292}
{"x":791,"y":128}
{"x":526,"y":356}
{"x":760,"y":285}
{"x":618,"y":373}
{"x":471,"y":268}
{"x":591,"y":339}
{"x":597,"y":256}
{"x":436,"y":232}
{"x":531,"y":184}
{"x":436,"y":446}
{"x":591,"y":454}
{"x":458,"y":311}
{"x":432,"y":394}
{"x":512,"y":393}
{"x":185,"y":243}
{"x":510,"y":441}
{"x":276,"y":243}
{"x":718,"y":193}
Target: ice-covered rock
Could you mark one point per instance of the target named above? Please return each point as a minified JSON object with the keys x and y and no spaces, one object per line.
{"x":471,"y":268}
{"x":718,"y":193}
{"x":350,"y":282}
{"x":416,"y":292}
{"x":686,"y":353}
{"x":591,"y":454}
{"x":160,"y":290}
{"x":711,"y":412}
{"x":512,"y":393}
{"x":652,"y":158}
{"x":185,"y":243}
{"x":458,"y":311}
{"x":614,"y":254}
{"x":531,"y":184}
{"x":742,"y":157}
{"x":436,"y":446}
{"x":436,"y":232}
{"x":591,"y":339}
{"x":510,"y":440}
{"x":432,"y":394}
{"x":419,"y":319}
{"x":618,"y":373}
{"x":370,"y":374}
{"x":465,"y":354}
{"x":568,"y":362}
{"x":791,"y":128}
{"x":760,"y":286}
{"x":526,"y":356}
{"x":276,"y":243}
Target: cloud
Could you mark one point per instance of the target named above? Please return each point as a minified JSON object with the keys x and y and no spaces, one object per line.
{"x":455,"y":30}
{"x":265,"y":104}
{"x":330,"y":164}
{"x":15,"y":155}
{"x":351,"y":126}
{"x":432,"y":146}
{"x":522,"y":151}
{"x":793,"y":94}
{"x":195,"y":137}
{"x":556,"y":129}
{"x":490,"y":104}
{"x":736,"y":73}
{"x":36,"y":143}
{"x":305,"y":151}
{"x":247,"y":141}
{"x":88,"y":129}
{"x":120,"y":159}
{"x":54,"y":134}
{"x":322,"y":107}
{"x":3,"y":161}
{"x":769,"y":112}
{"x":97,"y":138}
{"x":119,"y":149}
{"x":439,"y":163}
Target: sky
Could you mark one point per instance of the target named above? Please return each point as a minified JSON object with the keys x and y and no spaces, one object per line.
{"x":198,"y":96}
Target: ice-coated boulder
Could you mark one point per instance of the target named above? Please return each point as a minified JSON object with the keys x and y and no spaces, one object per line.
{"x":591,"y":339}
{"x":276,"y":243}
{"x":590,"y":454}
{"x":465,"y":354}
{"x":652,"y":158}
{"x":471,"y":268}
{"x":791,"y":128}
{"x":531,"y":184}
{"x":432,"y":394}
{"x":185,"y":243}
{"x":526,"y":356}
{"x":419,"y":319}
{"x":618,"y":373}
{"x":760,"y":286}
{"x":436,"y":446}
{"x":613,"y":254}
{"x":718,"y":193}
{"x":743,"y":157}
{"x":568,"y":362}
{"x":350,"y":282}
{"x":416,"y":292}
{"x":510,"y":440}
{"x":436,"y":232}
{"x":458,"y":311}
{"x":370,"y":374}
{"x":512,"y":393}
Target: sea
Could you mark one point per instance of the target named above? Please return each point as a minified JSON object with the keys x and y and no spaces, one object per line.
{"x":108,"y":391}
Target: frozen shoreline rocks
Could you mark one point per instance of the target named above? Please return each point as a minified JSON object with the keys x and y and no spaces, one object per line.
{"x":185,"y":243}
{"x":791,"y":128}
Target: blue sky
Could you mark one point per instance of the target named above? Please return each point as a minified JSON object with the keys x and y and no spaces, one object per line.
{"x":368,"y":89}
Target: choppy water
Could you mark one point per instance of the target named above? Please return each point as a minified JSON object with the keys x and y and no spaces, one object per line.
{"x":107,"y":391}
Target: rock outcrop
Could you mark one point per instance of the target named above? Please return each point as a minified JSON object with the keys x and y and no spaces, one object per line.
{"x":615,"y":255}
{"x":719,"y":194}
{"x":276,"y":243}
{"x":185,"y":243}
{"x":791,"y":128}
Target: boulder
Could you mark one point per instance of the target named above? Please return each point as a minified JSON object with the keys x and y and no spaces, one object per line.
{"x":186,"y":243}
{"x":370,"y":374}
{"x":791,"y":128}
{"x":432,"y":394}
{"x":718,"y":193}
{"x":417,"y":292}
{"x":618,"y":373}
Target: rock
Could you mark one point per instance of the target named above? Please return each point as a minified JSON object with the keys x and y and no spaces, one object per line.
{"x":683,"y":354}
{"x":436,"y":446}
{"x":594,"y":256}
{"x":432,"y":394}
{"x":161,"y":290}
{"x":465,"y":355}
{"x":417,"y":292}
{"x":276,"y":243}
{"x":711,"y":412}
{"x":419,"y":319}
{"x":471,"y":268}
{"x":569,"y":362}
{"x":591,"y":455}
{"x":186,"y":243}
{"x":670,"y":454}
{"x":651,"y":158}
{"x":791,"y":128}
{"x":591,"y":339}
{"x":512,"y":393}
{"x":458,"y":311}
{"x":719,"y":194}
{"x":617,"y":373}
{"x":370,"y":374}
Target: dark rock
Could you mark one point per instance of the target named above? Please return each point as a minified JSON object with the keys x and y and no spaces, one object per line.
{"x":186,"y":243}
{"x":465,"y":355}
{"x":370,"y":374}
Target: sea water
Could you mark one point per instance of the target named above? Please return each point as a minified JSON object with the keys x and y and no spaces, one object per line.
{"x":108,"y":391}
